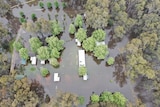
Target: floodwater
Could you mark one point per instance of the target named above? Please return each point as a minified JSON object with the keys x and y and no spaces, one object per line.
{"x":101,"y":77}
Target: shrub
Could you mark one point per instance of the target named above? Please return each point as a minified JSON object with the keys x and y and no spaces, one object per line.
{"x":81,"y":100}
{"x":49,"y":5}
{"x":82,"y":71}
{"x":22,"y":20}
{"x":94,"y":98}
{"x":54,"y":62}
{"x":64,"y":5}
{"x":56,"y":4}
{"x":44,"y":72}
{"x":99,"y":35}
{"x":41,"y":4}
{"x":33,"y":16}
{"x":110,"y":61}
{"x":17,"y":45}
{"x":23,"y":53}
{"x":72,"y":29}
{"x":21,"y":14}
{"x":78,"y":21}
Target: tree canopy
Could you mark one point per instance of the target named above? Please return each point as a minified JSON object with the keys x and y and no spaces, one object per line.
{"x":72,"y":29}
{"x":82,"y":71}
{"x":43,"y":53}
{"x":94,"y":98}
{"x":81,"y":34}
{"x":78,"y":21}
{"x":89,"y":44}
{"x":23,"y":53}
{"x":56,"y":28}
{"x":35,"y":43}
{"x":54,"y":62}
{"x":17,"y":45}
{"x":99,"y":35}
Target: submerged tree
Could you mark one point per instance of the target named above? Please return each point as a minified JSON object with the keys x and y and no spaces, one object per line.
{"x":23,"y":53}
{"x":82,"y":71}
{"x":56,"y":28}
{"x":43,"y":53}
{"x":72,"y":29}
{"x":54,"y":62}
{"x":55,"y":53}
{"x":17,"y":45}
{"x":44,"y":72}
{"x":78,"y":21}
{"x":94,"y":98}
{"x":35,"y":43}
{"x":89,"y":44}
{"x":81,"y":34}
{"x":101,"y":51}
{"x":99,"y":35}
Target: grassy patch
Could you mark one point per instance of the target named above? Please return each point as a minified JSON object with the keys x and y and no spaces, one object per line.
{"x":11,"y":45}
{"x":32,"y":68}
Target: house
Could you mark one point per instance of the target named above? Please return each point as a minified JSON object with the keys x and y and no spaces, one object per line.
{"x":33,"y":60}
{"x":78,"y":42}
{"x":81,"y":54}
{"x":100,"y":43}
{"x":23,"y":61}
{"x":56,"y":77}
{"x":42,"y":62}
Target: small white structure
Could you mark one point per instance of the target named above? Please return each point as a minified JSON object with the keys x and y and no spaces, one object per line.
{"x":42,"y":62}
{"x":81,"y":54}
{"x":85,"y":77}
{"x":56,"y":77}
{"x":78,"y":42}
{"x":33,"y":60}
{"x":100,"y":43}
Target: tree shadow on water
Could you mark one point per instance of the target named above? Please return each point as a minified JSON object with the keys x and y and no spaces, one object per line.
{"x":119,"y":74}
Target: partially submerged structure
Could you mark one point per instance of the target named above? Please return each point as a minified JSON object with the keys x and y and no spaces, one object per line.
{"x":33,"y":60}
{"x":56,"y":77}
{"x":78,"y":42}
{"x":42,"y":62}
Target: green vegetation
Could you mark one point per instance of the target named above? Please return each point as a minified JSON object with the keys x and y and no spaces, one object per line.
{"x":43,"y":53}
{"x":56,"y":4}
{"x":99,"y":35}
{"x":94,"y":98}
{"x":21,"y":14}
{"x":44,"y":72}
{"x":33,"y":16}
{"x":82,"y":71}
{"x":81,"y":100}
{"x":17,"y":45}
{"x":55,"y":53}
{"x":54,"y":62}
{"x":22,"y":20}
{"x":64,"y":5}
{"x":54,"y":42}
{"x":23,"y":53}
{"x":78,"y":21}
{"x":49,"y":5}
{"x":32,"y":68}
{"x":35,"y":43}
{"x":110,"y":61}
{"x":89,"y":44}
{"x":72,"y":29}
{"x":101,"y":51}
{"x":81,"y":34}
{"x":11,"y":47}
{"x":41,"y":5}
{"x":56,"y":28}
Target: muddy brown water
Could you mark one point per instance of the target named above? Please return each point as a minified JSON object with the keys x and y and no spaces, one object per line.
{"x":101,"y":77}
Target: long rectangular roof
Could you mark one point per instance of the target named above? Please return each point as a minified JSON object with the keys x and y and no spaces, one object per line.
{"x":81,"y":54}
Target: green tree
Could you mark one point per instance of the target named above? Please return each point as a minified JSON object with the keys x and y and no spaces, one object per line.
{"x":35,"y":43}
{"x":82,"y":71}
{"x":78,"y":21}
{"x":54,"y":42}
{"x":54,"y":62}
{"x":33,"y":16}
{"x":119,"y":32}
{"x":56,"y":4}
{"x":22,"y":20}
{"x":94,"y":98}
{"x":99,"y":35}
{"x":17,"y":45}
{"x":55,"y":53}
{"x":110,"y":61}
{"x":119,"y":99}
{"x":89,"y":44}
{"x":81,"y":34}
{"x":43,"y":53}
{"x":106,"y":97}
{"x":44,"y":71}
{"x":81,"y":100}
{"x":41,"y":5}
{"x":97,"y":13}
{"x":23,"y":53}
{"x":49,"y":5}
{"x":101,"y":51}
{"x":72,"y":29}
{"x":56,"y":28}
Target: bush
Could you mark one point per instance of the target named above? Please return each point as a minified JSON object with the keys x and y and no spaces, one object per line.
{"x":72,"y":29}
{"x":78,"y":21}
{"x":64,"y":5}
{"x":56,"y":4}
{"x":82,"y":71}
{"x":81,"y":100}
{"x":33,"y":16}
{"x":41,"y":4}
{"x":44,"y":72}
{"x":99,"y":35}
{"x":23,"y":53}
{"x":21,"y":14}
{"x":54,"y":62}
{"x":17,"y":45}
{"x":22,"y":20}
{"x":94,"y":98}
{"x":49,"y":5}
{"x":110,"y":61}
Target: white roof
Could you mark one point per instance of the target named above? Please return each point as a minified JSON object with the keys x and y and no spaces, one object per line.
{"x":56,"y":78}
{"x":78,"y":42}
{"x":33,"y":60}
{"x":42,"y":61}
{"x":85,"y":77}
{"x":100,"y":43}
{"x":81,"y":54}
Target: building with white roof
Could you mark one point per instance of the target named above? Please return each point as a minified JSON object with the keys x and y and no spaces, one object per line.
{"x":42,"y":61}
{"x":56,"y":77}
{"x":85,"y":77}
{"x":81,"y":54}
{"x":33,"y":60}
{"x":78,"y":42}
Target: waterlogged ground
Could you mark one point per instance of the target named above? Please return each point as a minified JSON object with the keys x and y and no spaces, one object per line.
{"x":101,"y":77}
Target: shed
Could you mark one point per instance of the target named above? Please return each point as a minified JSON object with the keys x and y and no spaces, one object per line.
{"x":85,"y":77}
{"x":100,"y":43}
{"x":42,"y":61}
{"x":81,"y":54}
{"x":33,"y":60}
{"x":56,"y":77}
{"x":78,"y":42}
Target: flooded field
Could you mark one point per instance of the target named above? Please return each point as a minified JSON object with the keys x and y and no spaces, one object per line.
{"x":101,"y":77}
